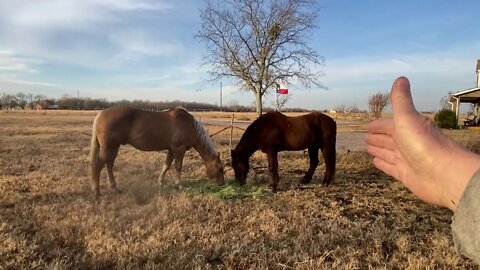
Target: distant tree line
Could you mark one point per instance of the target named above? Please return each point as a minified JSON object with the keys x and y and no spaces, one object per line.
{"x":20,"y":100}
{"x":24,"y":101}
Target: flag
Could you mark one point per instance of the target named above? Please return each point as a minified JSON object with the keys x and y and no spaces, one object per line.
{"x":282,"y":90}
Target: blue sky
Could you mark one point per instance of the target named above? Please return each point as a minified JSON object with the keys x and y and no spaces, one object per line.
{"x":142,"y":49}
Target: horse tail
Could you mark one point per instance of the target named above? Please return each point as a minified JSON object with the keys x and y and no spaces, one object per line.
{"x":95,"y":164}
{"x":94,"y":144}
{"x":332,"y":152}
{"x":328,"y":126}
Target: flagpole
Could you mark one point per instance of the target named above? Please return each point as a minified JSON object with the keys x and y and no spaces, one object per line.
{"x":276,"y":98}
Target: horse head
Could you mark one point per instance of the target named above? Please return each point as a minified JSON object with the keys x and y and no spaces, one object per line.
{"x":240,"y":167}
{"x":215,"y":169}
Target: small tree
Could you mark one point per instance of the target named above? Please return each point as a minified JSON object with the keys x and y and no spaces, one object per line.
{"x":279,"y":101}
{"x":377,"y":103}
{"x":445,"y":101}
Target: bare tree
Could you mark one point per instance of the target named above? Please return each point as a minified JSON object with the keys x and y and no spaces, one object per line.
{"x":259,"y":43}
{"x":38,"y":98}
{"x":30,"y":100}
{"x":346,"y":110}
{"x":21,"y":99}
{"x":9,"y":101}
{"x":445,"y":101}
{"x":279,"y":101}
{"x":377,"y":103}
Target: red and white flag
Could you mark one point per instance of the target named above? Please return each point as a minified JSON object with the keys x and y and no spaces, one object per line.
{"x":283,"y":89}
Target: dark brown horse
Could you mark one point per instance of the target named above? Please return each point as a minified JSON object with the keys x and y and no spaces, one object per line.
{"x":274,"y":132}
{"x":174,"y":130}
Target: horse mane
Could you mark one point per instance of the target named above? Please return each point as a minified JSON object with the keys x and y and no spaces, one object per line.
{"x":258,"y":123}
{"x":244,"y":144}
{"x":205,"y":143}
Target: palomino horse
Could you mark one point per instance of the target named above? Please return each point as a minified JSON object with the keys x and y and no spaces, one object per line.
{"x":174,"y":130}
{"x":274,"y":132}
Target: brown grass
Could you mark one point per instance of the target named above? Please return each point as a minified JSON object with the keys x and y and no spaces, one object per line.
{"x":48,"y":218}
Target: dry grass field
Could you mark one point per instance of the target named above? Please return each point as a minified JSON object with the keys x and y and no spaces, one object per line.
{"x":50,"y":220}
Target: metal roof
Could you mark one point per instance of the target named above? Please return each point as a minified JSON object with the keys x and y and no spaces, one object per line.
{"x":470,"y":95}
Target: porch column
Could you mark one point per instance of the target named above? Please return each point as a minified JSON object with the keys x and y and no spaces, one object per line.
{"x":456,"y":106}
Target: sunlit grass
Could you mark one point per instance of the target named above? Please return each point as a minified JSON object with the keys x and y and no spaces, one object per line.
{"x":230,"y":190}
{"x":50,"y":220}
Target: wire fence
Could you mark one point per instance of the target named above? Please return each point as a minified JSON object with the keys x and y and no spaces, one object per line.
{"x":52,"y":112}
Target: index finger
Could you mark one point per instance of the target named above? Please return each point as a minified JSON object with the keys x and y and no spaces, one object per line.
{"x":383,"y":126}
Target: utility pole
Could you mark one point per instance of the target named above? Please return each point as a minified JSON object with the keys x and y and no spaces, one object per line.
{"x":221,"y":108}
{"x":78,"y":99}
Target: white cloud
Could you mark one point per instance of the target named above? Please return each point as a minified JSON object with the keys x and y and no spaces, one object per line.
{"x":27,"y":83}
{"x":432,"y":75}
{"x":188,"y":74}
{"x":89,"y":33}
{"x":363,"y":69}
{"x":132,"y":4}
{"x":452,"y":63}
{"x":70,"y":14}
{"x":109,"y":40}
{"x":12,"y":85}
{"x":138,"y":41}
{"x":9,"y":62}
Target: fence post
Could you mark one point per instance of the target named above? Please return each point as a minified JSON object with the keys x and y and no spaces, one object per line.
{"x":231,"y":129}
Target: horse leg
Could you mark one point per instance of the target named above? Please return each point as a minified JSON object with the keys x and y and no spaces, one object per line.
{"x":179,"y":154}
{"x":313,"y":155}
{"x":97,"y":165}
{"x":110,"y":156}
{"x":329,"y":156}
{"x":166,"y":166}
{"x":273,"y":169}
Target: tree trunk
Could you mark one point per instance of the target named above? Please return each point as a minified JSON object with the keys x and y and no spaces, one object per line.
{"x":258,"y":96}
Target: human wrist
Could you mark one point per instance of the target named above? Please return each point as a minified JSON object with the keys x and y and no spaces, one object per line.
{"x":465,"y":165}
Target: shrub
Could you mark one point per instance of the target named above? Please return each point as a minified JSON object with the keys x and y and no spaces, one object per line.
{"x":446,"y":119}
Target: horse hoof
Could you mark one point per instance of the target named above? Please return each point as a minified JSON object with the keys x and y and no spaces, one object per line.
{"x":305,"y":181}
{"x":300,"y":185}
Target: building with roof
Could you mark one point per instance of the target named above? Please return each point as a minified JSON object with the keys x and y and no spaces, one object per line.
{"x":471,"y":96}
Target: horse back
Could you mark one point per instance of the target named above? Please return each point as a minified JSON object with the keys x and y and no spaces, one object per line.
{"x":144,"y":130}
{"x":325,"y":124}
{"x":113,"y":125}
{"x":299,"y":132}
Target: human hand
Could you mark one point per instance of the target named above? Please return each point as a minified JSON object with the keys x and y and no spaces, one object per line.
{"x":413,"y":150}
